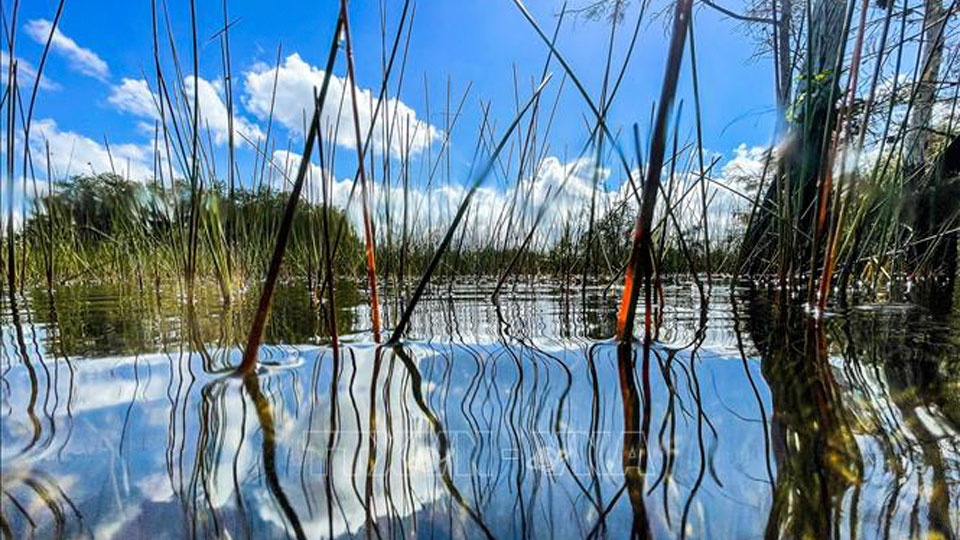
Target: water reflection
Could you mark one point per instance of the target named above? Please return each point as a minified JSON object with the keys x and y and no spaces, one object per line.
{"x":516,"y":419}
{"x":819,"y":465}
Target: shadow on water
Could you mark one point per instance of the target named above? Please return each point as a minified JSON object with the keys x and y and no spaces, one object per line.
{"x":521,"y":418}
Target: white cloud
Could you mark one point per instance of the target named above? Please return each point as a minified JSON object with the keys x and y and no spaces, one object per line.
{"x":567,"y":185}
{"x":741,"y":175}
{"x":72,"y":153}
{"x":294,"y":100}
{"x":746,"y":166}
{"x":81,"y":59}
{"x":213,"y":113}
{"x":22,"y":194}
{"x":940,"y":116}
{"x":944,"y":114}
{"x":26,"y":73}
{"x":135,"y":97}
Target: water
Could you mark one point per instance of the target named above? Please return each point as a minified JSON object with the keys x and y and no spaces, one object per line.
{"x":744,"y":421}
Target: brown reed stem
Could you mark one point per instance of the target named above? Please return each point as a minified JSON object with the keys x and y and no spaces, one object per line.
{"x":640,"y":257}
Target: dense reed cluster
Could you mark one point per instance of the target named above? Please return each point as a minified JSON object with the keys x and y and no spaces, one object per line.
{"x":105,"y":229}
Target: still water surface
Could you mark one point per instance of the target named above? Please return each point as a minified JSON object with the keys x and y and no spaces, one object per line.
{"x":119,"y":420}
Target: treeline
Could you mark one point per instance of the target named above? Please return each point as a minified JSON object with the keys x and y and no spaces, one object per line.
{"x":104,"y":228}
{"x":107,"y":229}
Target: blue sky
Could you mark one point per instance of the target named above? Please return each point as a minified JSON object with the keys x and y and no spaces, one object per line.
{"x":468,"y":42}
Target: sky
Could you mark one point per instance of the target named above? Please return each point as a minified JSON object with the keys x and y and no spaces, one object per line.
{"x":98,"y":83}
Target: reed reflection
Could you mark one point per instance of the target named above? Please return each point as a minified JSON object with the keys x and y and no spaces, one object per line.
{"x":818,"y":461}
{"x":514,"y":419}
{"x":251,"y":383}
{"x":636,"y":431}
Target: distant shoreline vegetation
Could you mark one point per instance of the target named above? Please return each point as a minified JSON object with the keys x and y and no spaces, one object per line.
{"x":104,"y":228}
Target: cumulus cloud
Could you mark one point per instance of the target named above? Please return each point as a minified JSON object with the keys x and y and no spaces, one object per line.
{"x":213,"y":113}
{"x":741,"y":175}
{"x":19,"y":187}
{"x":296,"y":82}
{"x":72,"y":153}
{"x":81,"y":59}
{"x":566,"y":187}
{"x":746,"y":166}
{"x":26,"y":73}
{"x":134,"y":96}
{"x":942,"y":115}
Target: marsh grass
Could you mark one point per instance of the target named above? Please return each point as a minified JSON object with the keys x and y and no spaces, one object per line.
{"x":808,"y":219}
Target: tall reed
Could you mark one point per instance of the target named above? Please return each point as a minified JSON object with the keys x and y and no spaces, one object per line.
{"x":640,"y":265}
{"x":364,"y":195}
{"x":249,"y":362}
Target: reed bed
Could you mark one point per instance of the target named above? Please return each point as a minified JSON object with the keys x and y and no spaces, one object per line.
{"x":858,"y":191}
